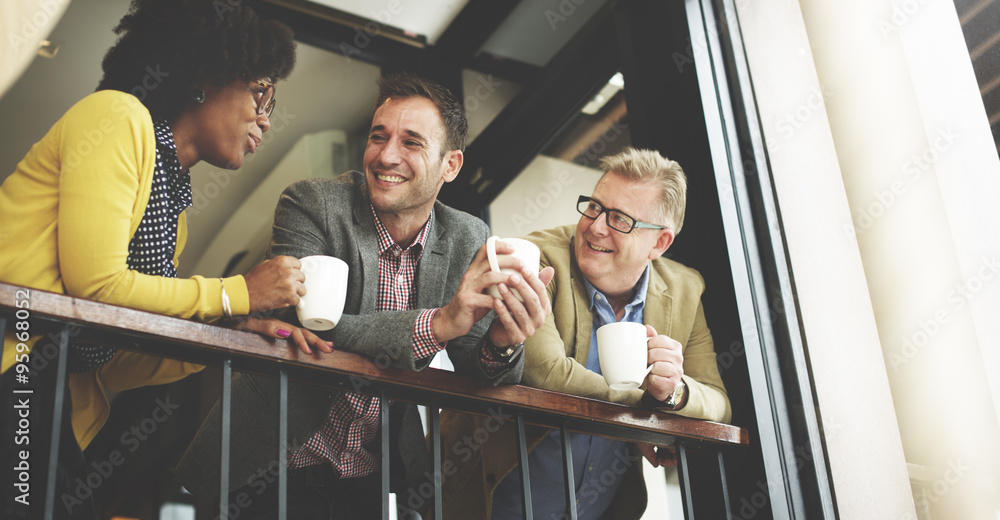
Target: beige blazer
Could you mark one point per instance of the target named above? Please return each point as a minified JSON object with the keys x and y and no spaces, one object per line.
{"x":480,"y":451}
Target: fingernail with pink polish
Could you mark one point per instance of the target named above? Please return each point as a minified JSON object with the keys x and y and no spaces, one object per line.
{"x":283,"y":333}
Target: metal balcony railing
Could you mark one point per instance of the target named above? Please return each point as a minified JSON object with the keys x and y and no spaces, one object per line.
{"x":129,"y":329}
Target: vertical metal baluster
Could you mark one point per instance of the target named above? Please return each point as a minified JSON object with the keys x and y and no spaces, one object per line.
{"x":684,"y":476}
{"x":522,"y":458}
{"x":227,"y":383}
{"x":384,"y":404}
{"x":282,"y":443}
{"x":436,"y":454}
{"x":568,"y":471}
{"x":57,"y":418}
{"x":725,"y":485}
{"x":3,"y":331}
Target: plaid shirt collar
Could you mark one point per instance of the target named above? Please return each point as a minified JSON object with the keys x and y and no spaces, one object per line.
{"x":386,"y":245}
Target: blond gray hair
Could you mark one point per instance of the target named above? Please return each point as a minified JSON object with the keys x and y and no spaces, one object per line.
{"x":650,"y":167}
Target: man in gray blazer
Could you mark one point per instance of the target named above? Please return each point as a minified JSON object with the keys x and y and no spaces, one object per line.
{"x":418,"y":270}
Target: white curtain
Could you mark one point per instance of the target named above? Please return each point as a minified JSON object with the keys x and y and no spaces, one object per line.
{"x":25,"y":23}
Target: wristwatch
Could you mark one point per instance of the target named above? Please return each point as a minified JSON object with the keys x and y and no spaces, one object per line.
{"x":677,"y":399}
{"x":503,"y":353}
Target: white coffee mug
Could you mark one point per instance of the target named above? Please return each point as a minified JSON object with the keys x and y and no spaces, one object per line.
{"x":326,"y":289}
{"x":622,"y":350}
{"x":525,"y":251}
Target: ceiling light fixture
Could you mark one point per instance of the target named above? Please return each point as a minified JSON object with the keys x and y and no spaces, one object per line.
{"x":616,"y":83}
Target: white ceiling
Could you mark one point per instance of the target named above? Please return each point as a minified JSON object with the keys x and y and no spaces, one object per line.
{"x":537,"y":29}
{"x":533,"y":32}
{"x":428,"y":18}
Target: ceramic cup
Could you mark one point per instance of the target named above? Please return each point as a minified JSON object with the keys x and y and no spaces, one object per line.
{"x":326,"y":289}
{"x":525,"y":251}
{"x":622,"y":349}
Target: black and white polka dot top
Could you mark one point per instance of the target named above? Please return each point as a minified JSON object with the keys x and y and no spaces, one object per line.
{"x":151,"y":250}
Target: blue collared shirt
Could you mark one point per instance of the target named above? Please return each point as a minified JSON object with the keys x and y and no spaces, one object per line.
{"x":598,"y":463}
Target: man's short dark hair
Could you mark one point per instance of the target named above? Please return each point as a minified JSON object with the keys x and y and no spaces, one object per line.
{"x":405,"y":85}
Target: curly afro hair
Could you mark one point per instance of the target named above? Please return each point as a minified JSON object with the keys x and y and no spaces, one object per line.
{"x":168,"y":49}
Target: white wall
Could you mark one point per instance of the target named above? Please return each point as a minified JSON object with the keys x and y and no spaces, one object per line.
{"x":865,"y":457}
{"x":24,"y":24}
{"x":886,"y":174}
{"x":543,"y":196}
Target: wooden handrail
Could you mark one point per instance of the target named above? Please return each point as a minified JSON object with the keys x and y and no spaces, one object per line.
{"x":130,"y":329}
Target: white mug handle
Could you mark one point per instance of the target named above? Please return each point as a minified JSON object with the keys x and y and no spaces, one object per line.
{"x":309,"y":264}
{"x":491,"y":253}
{"x":646,"y":373}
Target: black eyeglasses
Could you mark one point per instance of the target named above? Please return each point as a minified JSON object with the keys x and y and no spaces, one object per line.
{"x":263,"y":92}
{"x":617,"y":220}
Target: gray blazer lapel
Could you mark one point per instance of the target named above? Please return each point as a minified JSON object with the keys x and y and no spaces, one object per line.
{"x":433,"y":268}
{"x":366,"y":242}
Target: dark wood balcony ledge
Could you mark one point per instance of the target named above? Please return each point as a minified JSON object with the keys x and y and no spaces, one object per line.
{"x":130,"y":329}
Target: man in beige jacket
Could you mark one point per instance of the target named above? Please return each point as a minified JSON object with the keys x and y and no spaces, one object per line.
{"x":608,"y":268}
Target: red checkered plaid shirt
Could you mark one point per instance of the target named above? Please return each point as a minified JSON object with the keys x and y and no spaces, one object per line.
{"x":354,"y":418}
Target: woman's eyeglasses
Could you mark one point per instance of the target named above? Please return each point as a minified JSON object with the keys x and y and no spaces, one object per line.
{"x":263,"y":92}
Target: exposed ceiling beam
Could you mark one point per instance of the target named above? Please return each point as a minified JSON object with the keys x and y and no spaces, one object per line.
{"x":341,"y":32}
{"x":467,"y":33}
{"x":542,"y":108}
{"x":459,"y":45}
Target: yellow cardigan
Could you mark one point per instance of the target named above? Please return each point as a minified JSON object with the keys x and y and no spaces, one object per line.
{"x":67,"y":215}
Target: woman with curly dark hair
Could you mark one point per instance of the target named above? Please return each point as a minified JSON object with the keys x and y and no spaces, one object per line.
{"x":95,"y":209}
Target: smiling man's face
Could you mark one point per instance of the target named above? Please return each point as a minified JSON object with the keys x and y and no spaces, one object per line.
{"x":613,"y":261}
{"x":404,"y":164}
